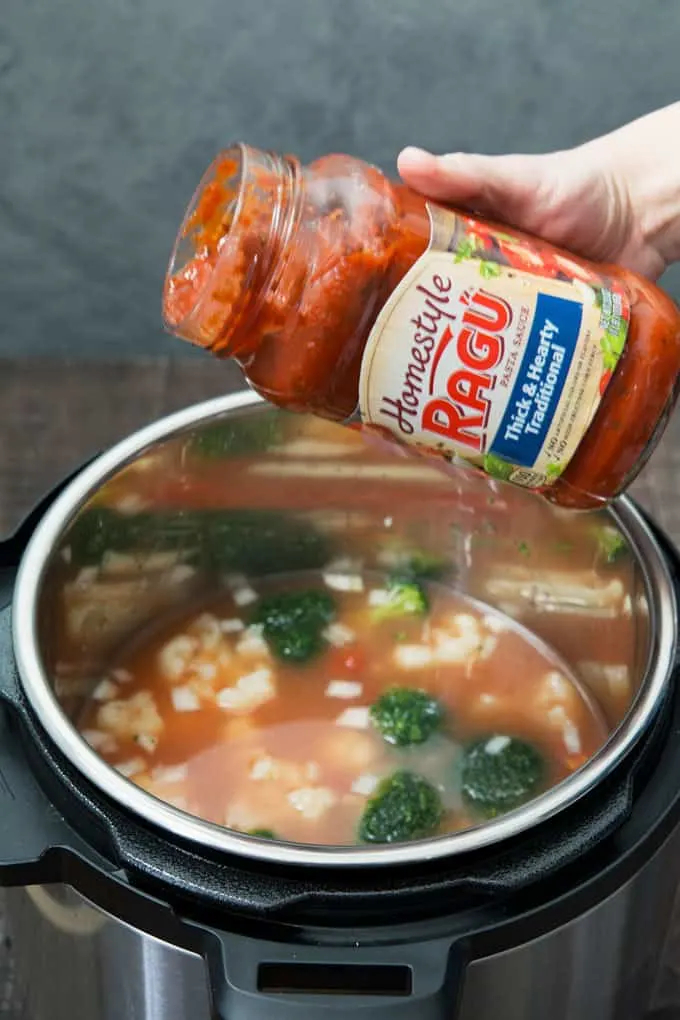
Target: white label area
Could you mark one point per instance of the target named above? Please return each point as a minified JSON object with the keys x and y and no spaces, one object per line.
{"x":505,"y":372}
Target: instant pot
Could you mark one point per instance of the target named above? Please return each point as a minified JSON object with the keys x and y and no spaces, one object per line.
{"x":121,"y":906}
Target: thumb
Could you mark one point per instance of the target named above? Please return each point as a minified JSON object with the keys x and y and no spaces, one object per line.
{"x":513,"y":188}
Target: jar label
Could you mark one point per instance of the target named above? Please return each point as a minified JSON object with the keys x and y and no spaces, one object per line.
{"x":494,"y":349}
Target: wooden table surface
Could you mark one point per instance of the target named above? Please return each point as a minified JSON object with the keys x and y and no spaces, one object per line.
{"x":55,"y":414}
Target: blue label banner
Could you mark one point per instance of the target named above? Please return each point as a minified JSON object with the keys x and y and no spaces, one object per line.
{"x":547,"y":358}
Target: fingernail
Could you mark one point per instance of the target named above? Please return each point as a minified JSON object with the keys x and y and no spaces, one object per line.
{"x":413,"y":152}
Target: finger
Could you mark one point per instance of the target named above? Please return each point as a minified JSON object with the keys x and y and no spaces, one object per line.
{"x":506,"y":187}
{"x":451,"y":178}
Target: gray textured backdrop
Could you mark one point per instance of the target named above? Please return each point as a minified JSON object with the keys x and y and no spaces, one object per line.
{"x":110,"y":110}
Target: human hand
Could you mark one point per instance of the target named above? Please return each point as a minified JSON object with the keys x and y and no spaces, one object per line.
{"x":614,"y":199}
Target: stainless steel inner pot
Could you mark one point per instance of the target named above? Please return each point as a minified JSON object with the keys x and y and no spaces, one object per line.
{"x":348,"y":489}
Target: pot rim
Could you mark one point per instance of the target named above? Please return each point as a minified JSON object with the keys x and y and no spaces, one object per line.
{"x":175,"y":823}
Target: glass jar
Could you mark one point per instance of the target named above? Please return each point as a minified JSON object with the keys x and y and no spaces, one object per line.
{"x":346,"y":295}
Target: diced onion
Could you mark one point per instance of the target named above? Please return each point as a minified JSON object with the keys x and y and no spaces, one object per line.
{"x":131,"y":768}
{"x":344,"y":582}
{"x":365,"y":785}
{"x":496,"y":745}
{"x":251,"y":642}
{"x":346,"y":689}
{"x":355,"y":718}
{"x":572,"y":738}
{"x":312,"y":802}
{"x":170,"y":773}
{"x":175,"y":656}
{"x":147,"y":741}
{"x":105,"y":691}
{"x":100,"y":741}
{"x":232,"y":626}
{"x":184,"y":699}
{"x":413,"y":656}
{"x":339,"y":635}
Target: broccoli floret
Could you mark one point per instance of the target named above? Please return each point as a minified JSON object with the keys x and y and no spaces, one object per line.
{"x":404,"y":598}
{"x":261,"y":542}
{"x":245,"y":541}
{"x":404,"y":716}
{"x":100,"y":530}
{"x":262,"y":834}
{"x":500,"y":773}
{"x":405,"y":806}
{"x":292,"y":623}
{"x":611,"y":544}
{"x":254,"y":434}
{"x":422,"y":566}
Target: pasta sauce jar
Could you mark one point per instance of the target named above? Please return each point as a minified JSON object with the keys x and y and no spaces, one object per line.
{"x":343,"y":294}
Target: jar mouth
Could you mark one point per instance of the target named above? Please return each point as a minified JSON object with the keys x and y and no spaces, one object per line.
{"x":202,"y":244}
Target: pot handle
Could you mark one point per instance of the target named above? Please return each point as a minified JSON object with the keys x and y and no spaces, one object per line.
{"x":29,"y":826}
{"x":12,"y":546}
{"x":10,"y":553}
{"x":33,"y":834}
{"x":257,"y":980}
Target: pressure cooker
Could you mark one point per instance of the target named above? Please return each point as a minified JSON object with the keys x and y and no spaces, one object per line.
{"x":120,"y":905}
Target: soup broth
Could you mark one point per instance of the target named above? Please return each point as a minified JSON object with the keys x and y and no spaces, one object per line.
{"x":341,"y":706}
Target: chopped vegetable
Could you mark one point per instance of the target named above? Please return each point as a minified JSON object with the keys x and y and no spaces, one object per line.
{"x":500,"y":773}
{"x":405,"y":716}
{"x":253,"y":434}
{"x":339,"y":635}
{"x":249,"y":692}
{"x":293,"y":623}
{"x":251,"y":642}
{"x":105,"y":691}
{"x":244,"y":596}
{"x":312,"y":802}
{"x":421,"y":565}
{"x":131,"y":768}
{"x":131,"y":716}
{"x":365,"y":785}
{"x":252,"y":541}
{"x":413,"y":656}
{"x":262,"y":834}
{"x":611,"y":544}
{"x":403,"y":598}
{"x":356,"y":718}
{"x":184,"y":699}
{"x":343,"y":581}
{"x":497,"y":467}
{"x":175,"y":657}
{"x":405,"y":806}
{"x":345,"y":689}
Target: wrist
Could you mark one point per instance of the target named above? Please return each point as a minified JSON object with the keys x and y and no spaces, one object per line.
{"x":644,"y":159}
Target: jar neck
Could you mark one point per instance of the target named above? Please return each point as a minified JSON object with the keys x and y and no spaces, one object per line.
{"x":230,"y":248}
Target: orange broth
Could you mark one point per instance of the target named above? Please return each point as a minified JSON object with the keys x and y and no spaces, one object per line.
{"x":199,"y":711}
